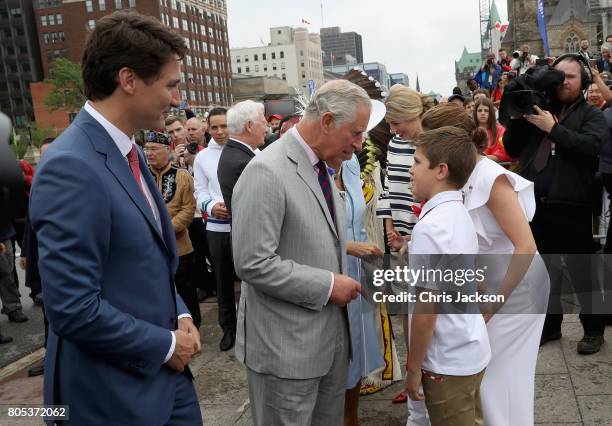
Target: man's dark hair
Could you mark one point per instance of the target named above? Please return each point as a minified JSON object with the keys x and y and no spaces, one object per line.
{"x":501,"y":50}
{"x":216,"y":111}
{"x":171,"y":119}
{"x":126,"y":39}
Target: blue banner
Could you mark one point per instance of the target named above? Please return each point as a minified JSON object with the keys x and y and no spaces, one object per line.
{"x":542,"y":25}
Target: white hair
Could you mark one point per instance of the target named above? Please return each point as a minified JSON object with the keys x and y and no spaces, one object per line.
{"x":340,"y":97}
{"x":605,"y":46}
{"x":241,"y":113}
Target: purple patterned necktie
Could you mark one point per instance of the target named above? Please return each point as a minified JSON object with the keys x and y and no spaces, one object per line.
{"x":326,"y":187}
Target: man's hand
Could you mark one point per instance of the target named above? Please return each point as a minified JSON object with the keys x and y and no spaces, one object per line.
{"x":2,"y":249}
{"x":186,"y":324}
{"x":183,"y":351}
{"x":345,"y":289}
{"x":542,"y":119}
{"x":363,"y":250}
{"x":413,"y":383}
{"x":219,"y":211}
{"x":23,"y":263}
{"x":179,"y":150}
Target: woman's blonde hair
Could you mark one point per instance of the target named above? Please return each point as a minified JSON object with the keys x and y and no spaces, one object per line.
{"x":405,"y":104}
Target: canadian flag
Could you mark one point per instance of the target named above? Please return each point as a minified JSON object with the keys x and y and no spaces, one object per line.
{"x":304,"y":21}
{"x":501,"y":27}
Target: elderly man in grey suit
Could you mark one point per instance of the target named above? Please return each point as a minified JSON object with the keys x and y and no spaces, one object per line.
{"x":290,"y":252}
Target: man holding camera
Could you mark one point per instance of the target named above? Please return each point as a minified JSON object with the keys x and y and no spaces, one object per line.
{"x":558,"y":151}
{"x":523,"y":60}
{"x":489,"y":74}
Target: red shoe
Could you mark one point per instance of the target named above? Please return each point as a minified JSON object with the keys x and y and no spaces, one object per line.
{"x":400,"y":398}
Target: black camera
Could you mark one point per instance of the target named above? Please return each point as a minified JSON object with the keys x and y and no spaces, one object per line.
{"x":516,"y":54}
{"x":535,"y":87}
{"x":12,"y":187}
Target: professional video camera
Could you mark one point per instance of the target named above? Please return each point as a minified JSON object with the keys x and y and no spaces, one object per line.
{"x":12,"y":189}
{"x":535,"y":87}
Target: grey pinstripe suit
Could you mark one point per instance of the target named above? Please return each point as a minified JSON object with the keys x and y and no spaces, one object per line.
{"x":285,"y":245}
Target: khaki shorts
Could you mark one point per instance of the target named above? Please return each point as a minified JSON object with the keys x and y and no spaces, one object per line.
{"x":453,"y":400}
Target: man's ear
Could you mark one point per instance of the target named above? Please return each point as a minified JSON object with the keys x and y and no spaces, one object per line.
{"x":127,"y":80}
{"x":327,"y":121}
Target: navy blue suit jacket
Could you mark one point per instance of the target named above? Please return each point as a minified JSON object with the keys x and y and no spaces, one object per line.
{"x":107,"y":270}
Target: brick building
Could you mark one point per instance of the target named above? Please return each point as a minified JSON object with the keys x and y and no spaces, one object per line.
{"x":63,"y":26}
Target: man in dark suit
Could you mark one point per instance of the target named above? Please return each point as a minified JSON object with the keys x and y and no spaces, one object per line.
{"x":120,"y":337}
{"x":247,"y":126}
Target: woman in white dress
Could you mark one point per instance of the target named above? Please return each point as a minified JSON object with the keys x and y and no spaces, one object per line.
{"x":501,"y":204}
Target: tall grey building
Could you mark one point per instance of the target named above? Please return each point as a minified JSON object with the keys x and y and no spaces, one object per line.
{"x":20,"y":57}
{"x":340,"y":48}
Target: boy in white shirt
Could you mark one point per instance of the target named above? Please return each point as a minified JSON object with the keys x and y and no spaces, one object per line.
{"x":448,"y":352}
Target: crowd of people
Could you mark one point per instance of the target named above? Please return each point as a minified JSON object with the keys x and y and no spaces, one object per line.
{"x":121,"y":244}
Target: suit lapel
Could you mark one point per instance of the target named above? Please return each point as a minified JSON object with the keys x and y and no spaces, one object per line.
{"x":305,"y":170}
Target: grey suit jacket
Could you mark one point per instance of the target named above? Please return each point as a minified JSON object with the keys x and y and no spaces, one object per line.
{"x":285,"y":244}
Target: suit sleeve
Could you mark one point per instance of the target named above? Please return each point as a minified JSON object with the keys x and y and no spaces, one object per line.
{"x":228,"y":179}
{"x":256,"y":238}
{"x":70,"y":214}
{"x":184,"y":217}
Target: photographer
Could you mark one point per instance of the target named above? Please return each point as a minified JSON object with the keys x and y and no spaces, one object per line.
{"x":504,"y":60}
{"x":558,"y":151}
{"x":489,"y":74}
{"x":523,"y":60}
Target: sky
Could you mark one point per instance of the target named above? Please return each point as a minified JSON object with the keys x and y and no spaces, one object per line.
{"x":421,"y":37}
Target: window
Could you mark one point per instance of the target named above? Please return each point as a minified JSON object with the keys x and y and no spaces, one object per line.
{"x":218,"y":97}
{"x":265,"y":67}
{"x":51,"y":19}
{"x":182,"y":77}
{"x":102,"y":5}
{"x":572,"y":43}
{"x":182,"y":5}
{"x":263,"y":56}
{"x":192,"y":95}
{"x":204,"y":47}
{"x":256,"y":69}
{"x":301,"y":53}
{"x":238,"y":59}
{"x":53,"y":38}
{"x":59,"y":19}
{"x":185,"y":25}
{"x":206,"y":63}
{"x":210,"y":32}
{"x":202,"y":29}
{"x":210,"y":97}
{"x":282,"y":65}
{"x":212,"y":49}
{"x":183,"y":94}
{"x":132,"y":3}
{"x":246,"y":58}
{"x":274,"y":67}
{"x":273,"y":55}
{"x":91,"y":24}
{"x":89,"y":5}
{"x":46,"y":38}
{"x":16,"y":13}
{"x":43,"y":20}
{"x":246,"y":69}
{"x":186,"y":42}
{"x":208,"y":77}
{"x":302,"y":64}
{"x":60,"y":36}
{"x":190,"y":77}
{"x":282,"y":55}
{"x":188,"y":59}
{"x":256,"y":57}
{"x":303,"y":75}
{"x":173,"y":4}
{"x":284,"y":76}
{"x":175,"y":22}
{"x":214,"y":64}
{"x":117,"y":4}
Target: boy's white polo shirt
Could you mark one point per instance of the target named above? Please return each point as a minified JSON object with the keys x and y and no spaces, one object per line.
{"x":460,"y":343}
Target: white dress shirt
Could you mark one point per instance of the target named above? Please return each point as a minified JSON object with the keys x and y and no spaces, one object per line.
{"x":460,"y":343}
{"x":124,"y":144}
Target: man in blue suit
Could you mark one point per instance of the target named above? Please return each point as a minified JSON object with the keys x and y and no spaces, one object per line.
{"x":120,"y":338}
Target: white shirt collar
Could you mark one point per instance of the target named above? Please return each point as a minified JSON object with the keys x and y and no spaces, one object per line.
{"x":243,"y":143}
{"x":123,"y":141}
{"x":439,"y":198}
{"x":309,"y":152}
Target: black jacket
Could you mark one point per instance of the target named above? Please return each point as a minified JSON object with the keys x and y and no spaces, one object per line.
{"x":234,"y":158}
{"x":569,"y":175}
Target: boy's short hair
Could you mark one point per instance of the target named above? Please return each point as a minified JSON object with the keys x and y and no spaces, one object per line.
{"x":452,"y":146}
{"x":127,"y":39}
{"x":171,"y":119}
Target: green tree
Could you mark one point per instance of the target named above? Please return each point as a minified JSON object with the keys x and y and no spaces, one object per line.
{"x":67,"y":93}
{"x":36,"y":133}
{"x":19,"y":145}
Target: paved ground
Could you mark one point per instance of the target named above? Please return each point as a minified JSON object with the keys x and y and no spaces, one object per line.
{"x":570,"y":389}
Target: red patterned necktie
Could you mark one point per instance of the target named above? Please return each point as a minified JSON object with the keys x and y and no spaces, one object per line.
{"x":135,"y":168}
{"x":326,"y":187}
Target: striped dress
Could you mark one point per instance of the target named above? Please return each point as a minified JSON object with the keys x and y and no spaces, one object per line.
{"x":396,"y":200}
